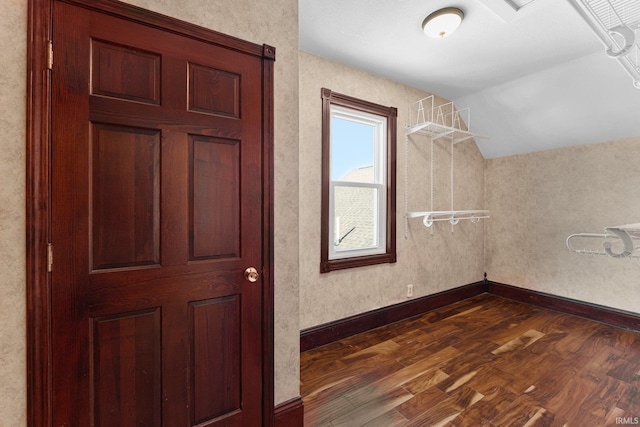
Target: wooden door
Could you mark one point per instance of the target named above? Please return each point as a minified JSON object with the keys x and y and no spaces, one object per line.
{"x":157,"y":200}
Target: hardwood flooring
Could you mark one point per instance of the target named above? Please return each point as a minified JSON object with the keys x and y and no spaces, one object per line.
{"x":485,"y":361}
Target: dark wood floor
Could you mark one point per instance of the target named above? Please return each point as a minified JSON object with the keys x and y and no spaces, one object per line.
{"x":485,"y":361}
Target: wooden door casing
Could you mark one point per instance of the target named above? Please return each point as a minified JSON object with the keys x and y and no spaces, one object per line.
{"x":170,"y":154}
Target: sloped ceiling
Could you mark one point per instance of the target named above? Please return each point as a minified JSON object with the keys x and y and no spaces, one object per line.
{"x":534,"y":79}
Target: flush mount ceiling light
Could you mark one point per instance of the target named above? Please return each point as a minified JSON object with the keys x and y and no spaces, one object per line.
{"x":442,"y":22}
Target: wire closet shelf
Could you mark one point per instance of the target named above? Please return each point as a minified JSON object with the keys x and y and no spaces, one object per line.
{"x":439,"y":122}
{"x":617,"y":24}
{"x":621,"y":241}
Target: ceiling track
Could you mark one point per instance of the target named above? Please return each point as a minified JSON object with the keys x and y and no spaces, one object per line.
{"x":617,"y":25}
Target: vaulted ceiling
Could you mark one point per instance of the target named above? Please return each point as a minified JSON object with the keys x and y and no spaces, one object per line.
{"x":534,"y":78}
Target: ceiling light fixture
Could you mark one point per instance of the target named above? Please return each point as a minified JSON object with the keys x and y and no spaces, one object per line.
{"x":442,"y":22}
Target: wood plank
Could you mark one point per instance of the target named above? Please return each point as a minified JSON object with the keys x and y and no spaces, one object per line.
{"x":421,"y":402}
{"x":415,"y":355}
{"x":383,"y":348}
{"x":372,"y":409}
{"x":522,"y":341}
{"x":388,"y":419}
{"x":374,"y":389}
{"x":448,"y":409}
{"x":425,"y":381}
{"x":630,"y":400}
{"x":371,"y":370}
{"x":490,"y":378}
{"x":331,"y":409}
{"x":523,"y":415}
{"x":626,"y":370}
{"x":485,"y":361}
{"x":481,"y":413}
{"x":327,"y":354}
{"x":603,"y":399}
{"x":566,"y":405}
{"x":511,"y":327}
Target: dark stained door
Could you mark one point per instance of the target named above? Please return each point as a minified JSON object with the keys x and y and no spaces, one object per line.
{"x":156,"y":214}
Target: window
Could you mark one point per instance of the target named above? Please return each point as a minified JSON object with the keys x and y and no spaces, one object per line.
{"x":358,"y":183}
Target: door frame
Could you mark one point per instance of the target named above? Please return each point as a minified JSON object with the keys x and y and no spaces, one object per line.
{"x":38,"y":195}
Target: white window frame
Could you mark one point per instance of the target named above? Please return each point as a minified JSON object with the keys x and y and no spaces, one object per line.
{"x":379,"y":124}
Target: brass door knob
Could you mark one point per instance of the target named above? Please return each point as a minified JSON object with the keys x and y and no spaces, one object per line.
{"x":251,"y":274}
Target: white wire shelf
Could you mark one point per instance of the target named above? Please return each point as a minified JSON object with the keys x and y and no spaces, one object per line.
{"x":621,"y":241}
{"x":443,"y":121}
{"x":617,"y":24}
{"x":437,"y":131}
{"x":439,"y":121}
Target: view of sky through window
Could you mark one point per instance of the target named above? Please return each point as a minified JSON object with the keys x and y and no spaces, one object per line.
{"x":351,"y":147}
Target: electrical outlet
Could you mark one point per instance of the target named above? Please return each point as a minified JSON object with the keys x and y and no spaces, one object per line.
{"x":409,"y":291}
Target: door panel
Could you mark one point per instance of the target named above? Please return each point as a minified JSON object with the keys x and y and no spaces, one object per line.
{"x":215,"y":346}
{"x":126,"y":73}
{"x":215,"y":197}
{"x":126,"y":369}
{"x":156,"y":212}
{"x":214,"y":91}
{"x":125,"y":196}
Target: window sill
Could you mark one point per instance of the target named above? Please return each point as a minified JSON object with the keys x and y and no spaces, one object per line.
{"x":343,"y":263}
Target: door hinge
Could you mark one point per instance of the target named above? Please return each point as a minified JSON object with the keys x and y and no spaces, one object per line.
{"x":49,"y":257}
{"x":50,"y":56}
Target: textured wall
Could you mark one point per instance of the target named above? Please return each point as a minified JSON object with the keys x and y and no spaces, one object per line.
{"x":274,"y":23}
{"x":13,"y":35}
{"x":431,"y":262}
{"x":539,"y":199}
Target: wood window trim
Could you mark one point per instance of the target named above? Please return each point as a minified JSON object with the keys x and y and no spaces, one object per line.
{"x":38,"y":204}
{"x":330,"y":98}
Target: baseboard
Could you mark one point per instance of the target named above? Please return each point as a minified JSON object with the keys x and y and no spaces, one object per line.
{"x":599,"y":313}
{"x":329,"y":332}
{"x":289,"y":413}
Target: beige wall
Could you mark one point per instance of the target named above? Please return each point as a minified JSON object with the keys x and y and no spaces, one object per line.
{"x":274,"y":23}
{"x":13,"y":35}
{"x":431,"y":262}
{"x":539,"y":199}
